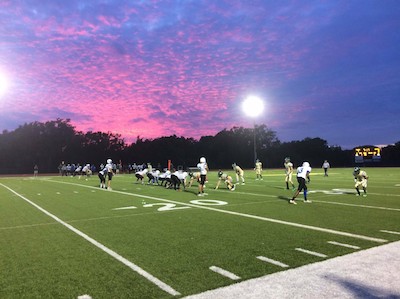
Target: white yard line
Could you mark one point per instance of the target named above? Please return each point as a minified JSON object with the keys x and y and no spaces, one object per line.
{"x":107,"y":250}
{"x":343,"y":245}
{"x":271,"y":261}
{"x":355,"y":205}
{"x":311,"y":252}
{"x":310,"y":227}
{"x":225,"y":273}
{"x":390,"y":232}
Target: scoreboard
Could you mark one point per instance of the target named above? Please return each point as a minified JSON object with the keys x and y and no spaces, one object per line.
{"x":367,"y":153}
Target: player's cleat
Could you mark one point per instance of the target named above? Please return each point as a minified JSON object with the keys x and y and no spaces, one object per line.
{"x":233,"y":188}
{"x":292,"y":202}
{"x":205,"y":193}
{"x":364,"y":195}
{"x":307,"y":201}
{"x":242,"y":183}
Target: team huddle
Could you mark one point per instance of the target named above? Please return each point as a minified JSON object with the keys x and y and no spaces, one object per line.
{"x":176,"y":178}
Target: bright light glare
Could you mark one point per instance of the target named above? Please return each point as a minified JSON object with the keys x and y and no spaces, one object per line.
{"x":253,"y":106}
{"x":3,"y":83}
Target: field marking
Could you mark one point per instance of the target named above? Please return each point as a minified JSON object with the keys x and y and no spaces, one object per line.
{"x":343,"y":245}
{"x":390,"y":232}
{"x":224,"y":273}
{"x":311,"y":252}
{"x":271,"y":261}
{"x":310,"y":227}
{"x":107,"y":250}
{"x":357,"y":205}
{"x":126,"y":208}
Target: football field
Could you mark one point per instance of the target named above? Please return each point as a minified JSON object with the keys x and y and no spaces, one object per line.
{"x":63,"y":237}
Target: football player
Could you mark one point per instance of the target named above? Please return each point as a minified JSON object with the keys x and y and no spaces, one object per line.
{"x":102,"y":176}
{"x":360,"y":180}
{"x":110,"y":173}
{"x":203,"y":168}
{"x":193,"y":177}
{"x":303,"y":176}
{"x":239,"y":173}
{"x":140,"y":175}
{"x":227,"y":179}
{"x":258,"y":169}
{"x":288,"y":173}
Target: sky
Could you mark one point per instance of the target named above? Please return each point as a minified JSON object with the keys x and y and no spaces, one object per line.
{"x":327,"y":69}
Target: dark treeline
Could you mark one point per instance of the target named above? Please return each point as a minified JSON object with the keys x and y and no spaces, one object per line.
{"x":47,"y":144}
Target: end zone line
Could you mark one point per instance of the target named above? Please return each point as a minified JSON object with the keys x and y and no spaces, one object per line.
{"x":107,"y":250}
{"x":310,"y":227}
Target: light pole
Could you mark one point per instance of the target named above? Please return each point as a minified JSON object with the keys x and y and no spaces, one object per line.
{"x":253,"y":107}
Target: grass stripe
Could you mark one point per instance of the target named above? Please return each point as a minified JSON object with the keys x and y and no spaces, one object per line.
{"x":311,"y":252}
{"x":224,"y":273}
{"x":271,"y":261}
{"x":325,"y":230}
{"x":107,"y":250}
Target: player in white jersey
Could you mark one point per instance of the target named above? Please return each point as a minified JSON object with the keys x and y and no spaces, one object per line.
{"x":153,"y":176}
{"x":325,"y":167}
{"x":141,"y":174}
{"x":110,"y":173}
{"x":86,"y":171}
{"x":102,"y":176}
{"x":303,"y":176}
{"x":288,"y":173}
{"x":225,"y":178}
{"x":165,"y":178}
{"x":360,"y":180}
{"x":239,"y":173}
{"x":258,"y":169}
{"x":203,"y":167}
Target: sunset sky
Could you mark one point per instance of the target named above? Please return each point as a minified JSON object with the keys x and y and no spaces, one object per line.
{"x":328,"y":69}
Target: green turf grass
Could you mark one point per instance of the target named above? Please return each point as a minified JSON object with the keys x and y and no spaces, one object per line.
{"x":177,"y":236}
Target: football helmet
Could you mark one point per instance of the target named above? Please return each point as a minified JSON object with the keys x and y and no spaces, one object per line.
{"x":109,"y":161}
{"x":306,"y":164}
{"x":202,"y":160}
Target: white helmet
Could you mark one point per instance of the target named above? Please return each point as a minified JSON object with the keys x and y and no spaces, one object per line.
{"x":202,"y":160}
{"x":306,"y":164}
{"x":109,"y":161}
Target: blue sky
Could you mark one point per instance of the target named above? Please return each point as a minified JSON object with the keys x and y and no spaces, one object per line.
{"x":328,"y":69}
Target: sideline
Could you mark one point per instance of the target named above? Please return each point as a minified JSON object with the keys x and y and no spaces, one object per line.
{"x":370,"y":273}
{"x":107,"y":250}
{"x":310,"y":227}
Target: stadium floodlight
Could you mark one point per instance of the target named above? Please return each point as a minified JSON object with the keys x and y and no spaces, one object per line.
{"x":253,"y":107}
